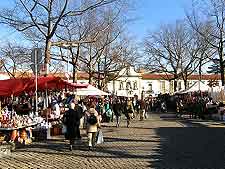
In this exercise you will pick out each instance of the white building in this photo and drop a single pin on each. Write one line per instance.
(128, 84)
(131, 83)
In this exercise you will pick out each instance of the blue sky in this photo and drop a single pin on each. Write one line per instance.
(152, 13)
(149, 13)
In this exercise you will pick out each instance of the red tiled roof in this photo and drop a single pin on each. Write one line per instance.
(205, 77)
(167, 77)
(80, 75)
(156, 76)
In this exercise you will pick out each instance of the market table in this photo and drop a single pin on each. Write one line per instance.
(18, 133)
(16, 128)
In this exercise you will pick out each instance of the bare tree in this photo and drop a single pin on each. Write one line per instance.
(117, 56)
(106, 34)
(42, 18)
(207, 19)
(75, 33)
(15, 58)
(87, 36)
(173, 50)
(198, 53)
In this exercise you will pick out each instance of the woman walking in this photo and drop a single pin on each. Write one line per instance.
(92, 123)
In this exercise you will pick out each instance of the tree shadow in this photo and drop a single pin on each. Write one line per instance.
(186, 148)
(48, 145)
(105, 151)
(117, 139)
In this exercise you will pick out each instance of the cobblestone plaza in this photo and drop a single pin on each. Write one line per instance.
(153, 143)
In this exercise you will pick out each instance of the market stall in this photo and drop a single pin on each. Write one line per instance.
(51, 83)
(13, 87)
(16, 119)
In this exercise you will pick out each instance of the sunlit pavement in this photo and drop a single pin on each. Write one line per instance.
(152, 143)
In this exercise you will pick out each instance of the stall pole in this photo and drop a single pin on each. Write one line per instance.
(36, 87)
(46, 101)
(68, 77)
(11, 114)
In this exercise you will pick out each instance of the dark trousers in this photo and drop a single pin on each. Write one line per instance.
(78, 131)
(75, 134)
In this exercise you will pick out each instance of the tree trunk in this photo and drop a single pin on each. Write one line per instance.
(99, 85)
(74, 74)
(185, 78)
(200, 70)
(221, 65)
(74, 60)
(90, 79)
(47, 55)
(175, 83)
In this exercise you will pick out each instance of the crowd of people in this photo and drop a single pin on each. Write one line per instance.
(198, 106)
(91, 112)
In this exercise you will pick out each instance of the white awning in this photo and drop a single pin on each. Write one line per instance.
(197, 86)
(90, 91)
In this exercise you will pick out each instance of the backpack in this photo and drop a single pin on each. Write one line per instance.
(92, 119)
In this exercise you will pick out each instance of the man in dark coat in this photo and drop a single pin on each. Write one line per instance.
(117, 109)
(79, 110)
(72, 122)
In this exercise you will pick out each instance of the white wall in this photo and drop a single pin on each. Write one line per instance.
(4, 76)
(124, 92)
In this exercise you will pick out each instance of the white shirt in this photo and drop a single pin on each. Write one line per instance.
(57, 110)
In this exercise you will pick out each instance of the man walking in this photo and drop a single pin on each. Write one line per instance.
(72, 122)
(117, 109)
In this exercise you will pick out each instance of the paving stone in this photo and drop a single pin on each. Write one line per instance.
(152, 143)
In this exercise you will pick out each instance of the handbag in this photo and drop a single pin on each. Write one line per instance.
(108, 113)
(99, 139)
(64, 129)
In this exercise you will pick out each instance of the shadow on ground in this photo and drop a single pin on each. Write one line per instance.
(55, 147)
(189, 148)
(117, 139)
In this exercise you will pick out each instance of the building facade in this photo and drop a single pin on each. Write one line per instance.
(130, 83)
(127, 84)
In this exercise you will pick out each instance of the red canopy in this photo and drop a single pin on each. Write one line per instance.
(17, 86)
(13, 86)
(52, 82)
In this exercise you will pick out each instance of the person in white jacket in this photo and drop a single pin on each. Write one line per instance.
(92, 123)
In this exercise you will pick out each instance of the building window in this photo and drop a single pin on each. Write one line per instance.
(128, 85)
(163, 86)
(179, 86)
(171, 87)
(150, 87)
(121, 85)
(135, 85)
(188, 84)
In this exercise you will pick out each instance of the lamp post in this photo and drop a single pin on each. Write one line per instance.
(36, 57)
